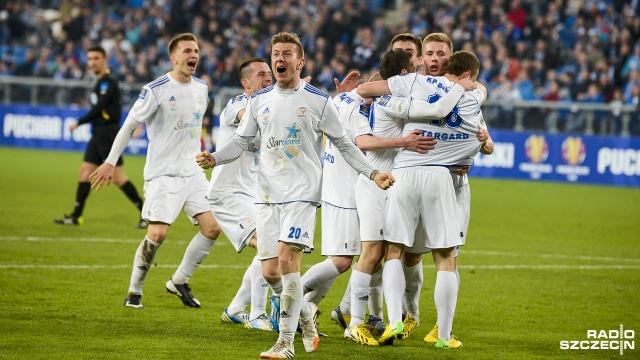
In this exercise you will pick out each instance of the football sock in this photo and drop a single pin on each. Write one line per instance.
(445, 295)
(259, 289)
(345, 304)
(142, 263)
(130, 190)
(197, 250)
(276, 288)
(318, 274)
(414, 278)
(393, 284)
(243, 296)
(82, 193)
(376, 297)
(360, 291)
(320, 292)
(458, 277)
(291, 302)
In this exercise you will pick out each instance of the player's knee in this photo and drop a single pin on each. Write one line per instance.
(156, 235)
(270, 273)
(212, 231)
(411, 260)
(341, 263)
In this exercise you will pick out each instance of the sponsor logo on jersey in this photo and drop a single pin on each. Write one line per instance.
(346, 98)
(236, 99)
(143, 94)
(536, 149)
(288, 145)
(364, 110)
(573, 153)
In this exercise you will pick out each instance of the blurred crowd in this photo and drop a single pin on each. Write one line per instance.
(571, 50)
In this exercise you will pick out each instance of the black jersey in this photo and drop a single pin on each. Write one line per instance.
(106, 107)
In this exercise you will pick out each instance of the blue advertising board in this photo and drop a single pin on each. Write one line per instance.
(562, 157)
(47, 127)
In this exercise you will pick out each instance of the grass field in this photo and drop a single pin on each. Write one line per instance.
(545, 262)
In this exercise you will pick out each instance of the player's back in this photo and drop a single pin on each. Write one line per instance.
(338, 177)
(173, 112)
(455, 133)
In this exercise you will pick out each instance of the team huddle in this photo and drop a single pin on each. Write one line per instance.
(391, 180)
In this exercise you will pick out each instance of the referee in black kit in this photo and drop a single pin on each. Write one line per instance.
(106, 108)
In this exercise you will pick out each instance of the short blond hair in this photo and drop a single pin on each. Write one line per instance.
(291, 38)
(438, 37)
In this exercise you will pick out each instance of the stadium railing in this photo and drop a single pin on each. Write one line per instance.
(547, 116)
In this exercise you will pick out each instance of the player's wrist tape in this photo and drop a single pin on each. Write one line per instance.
(373, 174)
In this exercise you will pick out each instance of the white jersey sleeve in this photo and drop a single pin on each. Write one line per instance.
(338, 177)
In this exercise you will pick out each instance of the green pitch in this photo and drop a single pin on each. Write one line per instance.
(544, 263)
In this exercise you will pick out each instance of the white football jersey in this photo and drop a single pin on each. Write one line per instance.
(291, 123)
(241, 175)
(456, 134)
(173, 112)
(385, 123)
(338, 177)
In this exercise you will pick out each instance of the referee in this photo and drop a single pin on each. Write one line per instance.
(104, 116)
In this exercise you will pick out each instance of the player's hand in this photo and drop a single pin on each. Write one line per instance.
(73, 127)
(384, 180)
(482, 134)
(459, 170)
(103, 173)
(467, 84)
(205, 160)
(307, 79)
(414, 141)
(350, 82)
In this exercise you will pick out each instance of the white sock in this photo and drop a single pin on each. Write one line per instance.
(345, 304)
(393, 284)
(197, 250)
(243, 296)
(360, 291)
(414, 278)
(319, 292)
(142, 261)
(318, 275)
(445, 295)
(458, 277)
(276, 288)
(259, 289)
(376, 297)
(291, 302)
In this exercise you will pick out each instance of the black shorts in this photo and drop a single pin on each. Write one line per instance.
(98, 150)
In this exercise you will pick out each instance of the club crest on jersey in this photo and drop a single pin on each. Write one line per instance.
(172, 104)
(200, 98)
(302, 113)
(143, 94)
(237, 98)
(104, 86)
(264, 117)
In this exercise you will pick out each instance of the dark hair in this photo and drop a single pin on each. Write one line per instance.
(409, 37)
(182, 37)
(98, 48)
(393, 62)
(243, 68)
(462, 61)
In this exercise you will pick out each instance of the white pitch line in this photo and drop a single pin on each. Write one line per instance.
(550, 256)
(220, 266)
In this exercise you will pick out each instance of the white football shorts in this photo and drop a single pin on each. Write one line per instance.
(371, 202)
(425, 192)
(293, 223)
(165, 196)
(340, 231)
(236, 215)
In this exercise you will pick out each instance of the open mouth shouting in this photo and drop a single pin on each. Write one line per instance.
(191, 65)
(281, 69)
